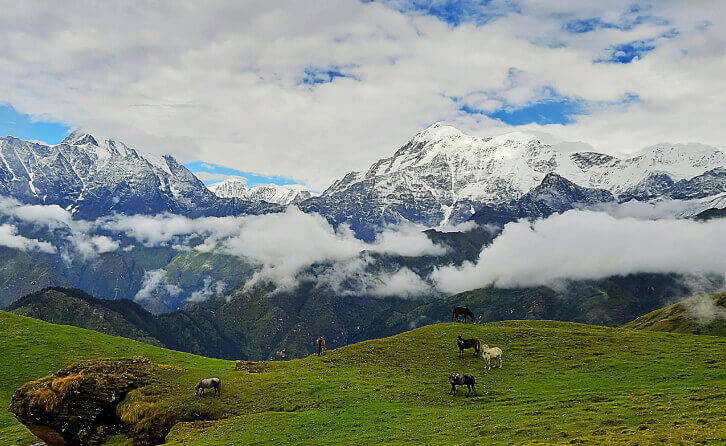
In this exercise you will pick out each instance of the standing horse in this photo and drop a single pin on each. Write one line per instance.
(458, 379)
(458, 311)
(209, 383)
(494, 353)
(467, 343)
(321, 345)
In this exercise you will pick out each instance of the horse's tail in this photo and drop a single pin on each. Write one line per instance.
(219, 388)
(453, 315)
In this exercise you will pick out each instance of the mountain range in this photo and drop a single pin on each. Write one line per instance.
(444, 176)
(441, 176)
(93, 179)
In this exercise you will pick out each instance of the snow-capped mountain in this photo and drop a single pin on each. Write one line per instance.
(444, 176)
(235, 187)
(93, 179)
(232, 187)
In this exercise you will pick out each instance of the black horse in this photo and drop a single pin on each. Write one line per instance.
(468, 343)
(458, 311)
(458, 379)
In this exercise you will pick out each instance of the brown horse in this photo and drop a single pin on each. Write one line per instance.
(321, 345)
(468, 343)
(458, 311)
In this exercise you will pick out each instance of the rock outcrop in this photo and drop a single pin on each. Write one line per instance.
(77, 405)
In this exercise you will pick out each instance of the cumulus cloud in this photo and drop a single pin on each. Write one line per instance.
(9, 237)
(589, 245)
(224, 81)
(76, 233)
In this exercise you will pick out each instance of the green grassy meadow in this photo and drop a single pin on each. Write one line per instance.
(561, 383)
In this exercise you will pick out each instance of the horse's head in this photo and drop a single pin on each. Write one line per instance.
(196, 389)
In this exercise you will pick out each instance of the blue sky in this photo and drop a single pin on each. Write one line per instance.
(211, 173)
(25, 127)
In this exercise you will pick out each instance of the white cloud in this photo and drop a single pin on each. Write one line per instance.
(589, 245)
(402, 283)
(9, 237)
(66, 229)
(209, 176)
(219, 81)
(155, 287)
(703, 308)
(209, 288)
(282, 243)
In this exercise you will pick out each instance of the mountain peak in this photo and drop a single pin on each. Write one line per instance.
(78, 137)
(438, 131)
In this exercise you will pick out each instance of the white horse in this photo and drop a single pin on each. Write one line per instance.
(488, 354)
(209, 383)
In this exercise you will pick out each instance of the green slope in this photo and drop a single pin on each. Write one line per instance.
(32, 349)
(68, 306)
(561, 382)
(695, 315)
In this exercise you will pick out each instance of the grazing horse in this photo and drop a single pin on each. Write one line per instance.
(209, 383)
(467, 343)
(458, 311)
(494, 353)
(321, 345)
(457, 379)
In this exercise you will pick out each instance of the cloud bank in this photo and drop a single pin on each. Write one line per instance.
(282, 243)
(580, 245)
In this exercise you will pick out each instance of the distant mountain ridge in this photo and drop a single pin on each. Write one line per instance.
(236, 187)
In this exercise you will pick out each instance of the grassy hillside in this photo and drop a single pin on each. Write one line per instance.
(696, 315)
(561, 382)
(68, 306)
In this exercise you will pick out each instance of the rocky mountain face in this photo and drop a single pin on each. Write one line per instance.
(235, 187)
(445, 176)
(93, 179)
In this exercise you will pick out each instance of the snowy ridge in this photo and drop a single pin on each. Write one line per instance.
(443, 176)
(232, 187)
(94, 179)
(235, 187)
(505, 167)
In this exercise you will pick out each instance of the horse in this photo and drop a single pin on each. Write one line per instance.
(208, 383)
(494, 353)
(321, 345)
(467, 343)
(458, 311)
(457, 379)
